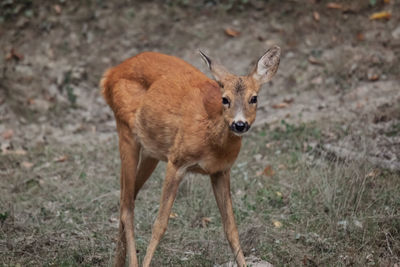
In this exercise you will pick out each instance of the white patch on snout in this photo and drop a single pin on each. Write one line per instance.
(239, 116)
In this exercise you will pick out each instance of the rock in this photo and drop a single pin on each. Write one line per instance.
(251, 261)
(396, 33)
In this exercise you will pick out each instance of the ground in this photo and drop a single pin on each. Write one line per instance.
(316, 182)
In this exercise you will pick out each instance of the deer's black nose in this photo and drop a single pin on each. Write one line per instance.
(240, 126)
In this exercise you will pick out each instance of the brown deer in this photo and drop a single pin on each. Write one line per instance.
(168, 110)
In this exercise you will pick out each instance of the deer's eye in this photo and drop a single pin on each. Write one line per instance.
(226, 102)
(253, 100)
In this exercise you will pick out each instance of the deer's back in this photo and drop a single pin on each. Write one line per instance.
(171, 104)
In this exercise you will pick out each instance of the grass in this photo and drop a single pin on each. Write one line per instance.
(65, 213)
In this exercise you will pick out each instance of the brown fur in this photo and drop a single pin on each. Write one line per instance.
(168, 110)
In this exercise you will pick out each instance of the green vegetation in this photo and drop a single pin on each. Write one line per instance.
(307, 210)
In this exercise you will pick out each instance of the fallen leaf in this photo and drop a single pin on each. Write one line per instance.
(268, 171)
(232, 32)
(314, 60)
(373, 174)
(288, 100)
(269, 145)
(173, 215)
(360, 37)
(316, 16)
(280, 105)
(205, 221)
(386, 1)
(7, 134)
(277, 224)
(31, 101)
(281, 166)
(372, 76)
(20, 152)
(113, 220)
(317, 80)
(380, 15)
(14, 55)
(9, 151)
(308, 262)
(61, 158)
(57, 8)
(334, 5)
(26, 164)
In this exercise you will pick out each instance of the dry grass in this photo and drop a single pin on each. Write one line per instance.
(332, 212)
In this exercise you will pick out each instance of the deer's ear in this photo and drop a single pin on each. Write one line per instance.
(267, 65)
(217, 70)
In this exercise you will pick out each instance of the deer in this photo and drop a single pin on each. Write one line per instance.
(168, 110)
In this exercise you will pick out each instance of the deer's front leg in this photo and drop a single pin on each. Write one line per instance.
(172, 180)
(221, 187)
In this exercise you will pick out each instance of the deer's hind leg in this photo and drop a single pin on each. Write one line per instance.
(124, 101)
(129, 152)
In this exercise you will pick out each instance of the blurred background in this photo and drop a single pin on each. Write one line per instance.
(316, 183)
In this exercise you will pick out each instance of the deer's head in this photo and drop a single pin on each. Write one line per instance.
(239, 93)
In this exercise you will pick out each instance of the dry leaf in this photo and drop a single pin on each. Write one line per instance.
(334, 5)
(280, 105)
(373, 174)
(113, 220)
(386, 1)
(205, 221)
(14, 55)
(314, 60)
(360, 37)
(26, 164)
(277, 224)
(173, 215)
(7, 134)
(268, 171)
(269, 145)
(61, 158)
(380, 15)
(232, 32)
(57, 8)
(372, 76)
(288, 100)
(317, 80)
(316, 16)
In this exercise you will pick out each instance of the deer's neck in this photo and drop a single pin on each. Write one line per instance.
(221, 136)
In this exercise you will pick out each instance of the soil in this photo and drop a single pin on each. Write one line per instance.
(338, 68)
(342, 68)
